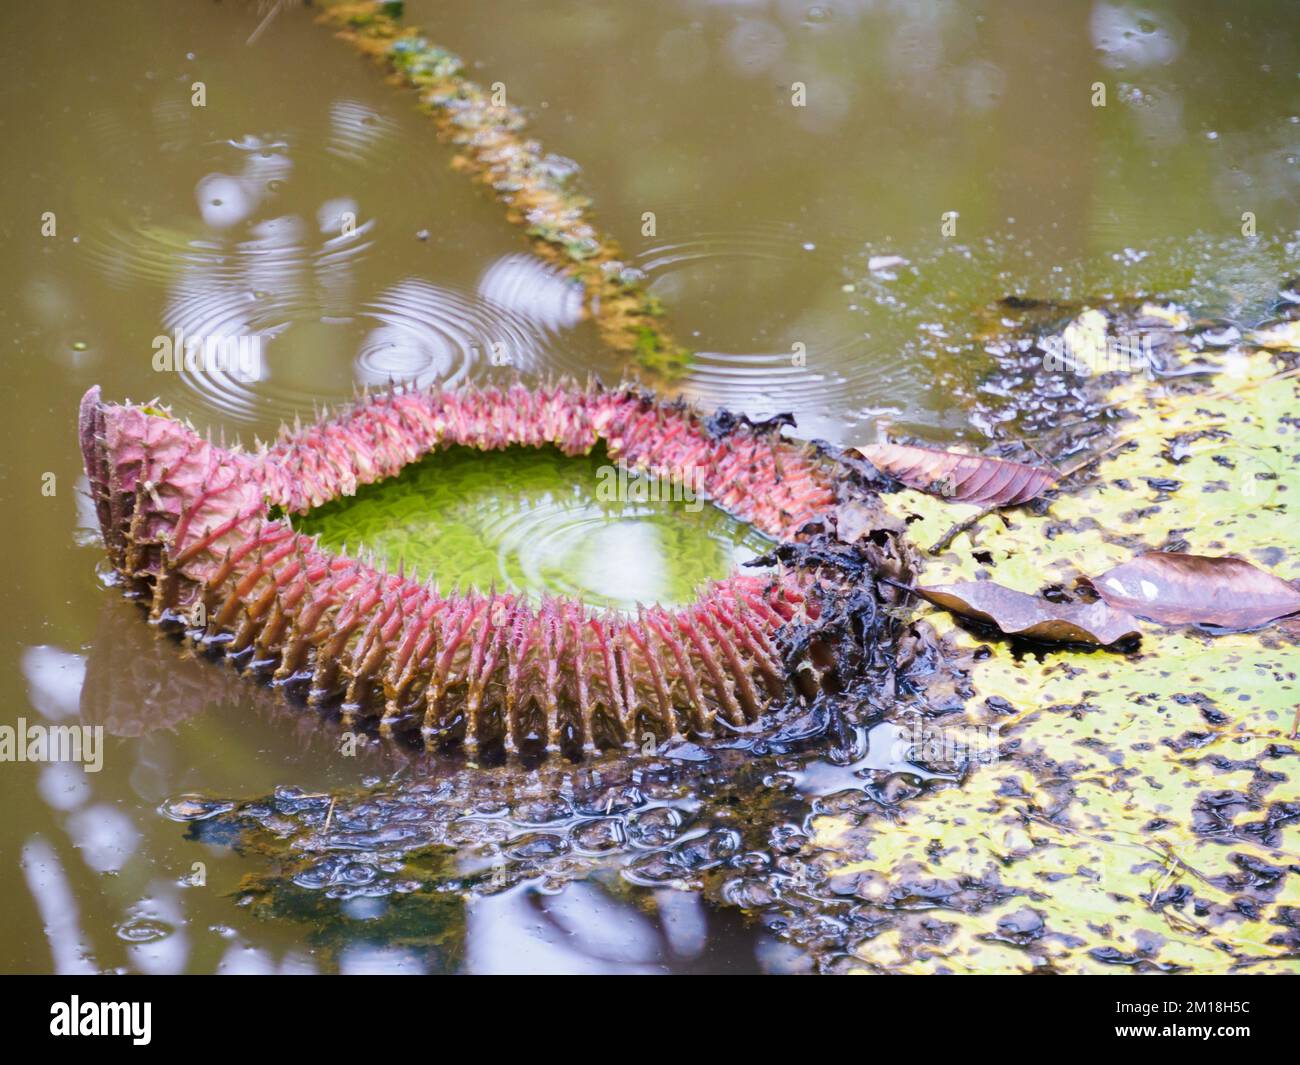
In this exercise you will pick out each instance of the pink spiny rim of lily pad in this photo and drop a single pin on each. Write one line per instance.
(190, 528)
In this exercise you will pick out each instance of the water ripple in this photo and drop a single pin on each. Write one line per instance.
(433, 333)
(357, 132)
(802, 348)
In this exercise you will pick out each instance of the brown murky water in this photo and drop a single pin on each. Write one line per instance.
(773, 226)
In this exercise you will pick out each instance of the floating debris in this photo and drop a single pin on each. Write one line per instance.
(1033, 617)
(961, 478)
(1181, 589)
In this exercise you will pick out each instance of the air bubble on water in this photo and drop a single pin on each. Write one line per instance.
(536, 845)
(599, 835)
(194, 808)
(749, 894)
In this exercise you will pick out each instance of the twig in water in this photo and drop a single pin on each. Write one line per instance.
(945, 541)
(275, 10)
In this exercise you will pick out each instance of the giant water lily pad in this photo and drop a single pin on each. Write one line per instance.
(1143, 813)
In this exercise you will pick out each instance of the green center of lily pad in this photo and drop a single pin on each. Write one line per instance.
(537, 521)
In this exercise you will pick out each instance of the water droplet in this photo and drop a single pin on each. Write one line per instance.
(142, 930)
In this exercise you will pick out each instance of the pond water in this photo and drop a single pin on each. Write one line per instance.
(572, 526)
(944, 155)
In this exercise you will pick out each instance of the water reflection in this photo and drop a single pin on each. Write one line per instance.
(927, 108)
(60, 915)
(581, 930)
(54, 679)
(64, 786)
(1130, 37)
(106, 837)
(430, 334)
(538, 522)
(278, 239)
(242, 959)
(534, 291)
(799, 344)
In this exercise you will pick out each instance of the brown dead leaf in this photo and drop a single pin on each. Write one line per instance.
(1031, 616)
(1197, 590)
(964, 478)
(856, 518)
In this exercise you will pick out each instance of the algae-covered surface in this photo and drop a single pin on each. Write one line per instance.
(892, 261)
(1143, 808)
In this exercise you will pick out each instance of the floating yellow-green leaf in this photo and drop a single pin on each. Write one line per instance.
(1144, 811)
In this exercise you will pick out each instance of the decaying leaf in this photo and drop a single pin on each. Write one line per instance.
(1031, 616)
(964, 478)
(855, 518)
(1180, 589)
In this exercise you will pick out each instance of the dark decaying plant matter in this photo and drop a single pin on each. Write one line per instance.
(192, 529)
